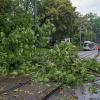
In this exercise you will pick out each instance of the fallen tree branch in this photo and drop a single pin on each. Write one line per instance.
(93, 70)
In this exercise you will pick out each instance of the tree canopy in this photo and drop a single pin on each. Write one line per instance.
(62, 15)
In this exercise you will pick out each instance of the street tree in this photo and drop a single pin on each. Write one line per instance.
(62, 14)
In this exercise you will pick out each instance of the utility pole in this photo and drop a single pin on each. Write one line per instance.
(80, 37)
(35, 11)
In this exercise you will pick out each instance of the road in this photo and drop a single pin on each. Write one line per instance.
(87, 54)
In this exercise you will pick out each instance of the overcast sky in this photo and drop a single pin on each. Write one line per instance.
(86, 6)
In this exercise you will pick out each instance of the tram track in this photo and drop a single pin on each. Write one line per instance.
(44, 95)
(16, 86)
(51, 93)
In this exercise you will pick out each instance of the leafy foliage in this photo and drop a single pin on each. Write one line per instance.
(90, 27)
(44, 34)
(62, 15)
(59, 65)
(17, 47)
(18, 38)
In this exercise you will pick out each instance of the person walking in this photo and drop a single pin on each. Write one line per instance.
(98, 48)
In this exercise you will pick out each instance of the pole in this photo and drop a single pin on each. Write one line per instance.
(35, 12)
(80, 36)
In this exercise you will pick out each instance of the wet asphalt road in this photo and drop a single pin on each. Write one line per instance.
(87, 54)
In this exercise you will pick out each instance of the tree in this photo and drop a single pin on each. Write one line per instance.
(87, 26)
(17, 38)
(92, 26)
(62, 15)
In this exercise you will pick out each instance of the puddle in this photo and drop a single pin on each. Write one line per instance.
(80, 93)
(83, 93)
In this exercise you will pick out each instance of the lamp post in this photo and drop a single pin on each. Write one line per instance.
(80, 37)
(81, 30)
(35, 10)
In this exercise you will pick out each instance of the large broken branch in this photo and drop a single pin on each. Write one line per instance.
(94, 72)
(45, 18)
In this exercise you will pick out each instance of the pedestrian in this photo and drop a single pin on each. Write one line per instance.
(98, 48)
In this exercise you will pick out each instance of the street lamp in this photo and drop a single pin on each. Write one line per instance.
(35, 10)
(81, 34)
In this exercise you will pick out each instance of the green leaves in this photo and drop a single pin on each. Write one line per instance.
(16, 35)
(58, 65)
(17, 48)
(92, 90)
(18, 38)
(63, 16)
(44, 33)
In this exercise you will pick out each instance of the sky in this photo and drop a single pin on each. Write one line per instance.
(86, 6)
